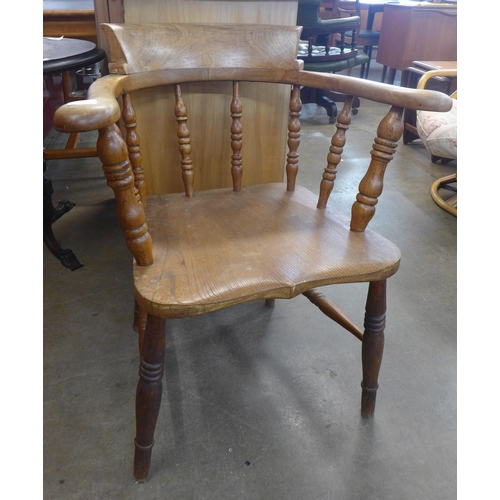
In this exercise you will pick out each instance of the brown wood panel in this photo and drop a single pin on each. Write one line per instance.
(80, 24)
(264, 107)
(412, 33)
(208, 107)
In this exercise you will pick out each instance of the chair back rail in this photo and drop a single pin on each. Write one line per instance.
(147, 64)
(140, 48)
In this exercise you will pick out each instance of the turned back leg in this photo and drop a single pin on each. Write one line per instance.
(149, 390)
(373, 345)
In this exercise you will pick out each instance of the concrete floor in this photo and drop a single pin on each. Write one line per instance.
(258, 403)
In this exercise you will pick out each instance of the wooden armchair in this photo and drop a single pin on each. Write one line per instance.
(200, 252)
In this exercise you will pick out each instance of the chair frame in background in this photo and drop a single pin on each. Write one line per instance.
(340, 53)
(448, 182)
(366, 38)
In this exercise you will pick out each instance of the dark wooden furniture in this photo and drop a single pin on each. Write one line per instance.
(60, 56)
(373, 7)
(368, 12)
(366, 38)
(70, 23)
(416, 31)
(327, 51)
(200, 251)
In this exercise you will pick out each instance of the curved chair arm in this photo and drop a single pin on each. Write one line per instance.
(99, 110)
(429, 100)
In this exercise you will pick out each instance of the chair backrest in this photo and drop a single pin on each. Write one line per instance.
(172, 54)
(156, 47)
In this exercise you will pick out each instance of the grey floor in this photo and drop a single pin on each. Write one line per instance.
(258, 403)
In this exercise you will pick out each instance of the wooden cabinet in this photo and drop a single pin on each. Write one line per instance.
(417, 31)
(264, 108)
(70, 19)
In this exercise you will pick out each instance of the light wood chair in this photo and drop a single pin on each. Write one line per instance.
(200, 252)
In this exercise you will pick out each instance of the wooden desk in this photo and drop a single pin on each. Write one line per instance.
(417, 31)
(267, 110)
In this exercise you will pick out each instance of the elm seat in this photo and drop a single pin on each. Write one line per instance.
(196, 252)
(254, 258)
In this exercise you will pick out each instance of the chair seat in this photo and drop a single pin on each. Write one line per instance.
(262, 242)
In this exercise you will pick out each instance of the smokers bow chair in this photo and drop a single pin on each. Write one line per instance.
(199, 252)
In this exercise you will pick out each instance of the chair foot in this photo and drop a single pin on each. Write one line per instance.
(142, 461)
(373, 345)
(149, 391)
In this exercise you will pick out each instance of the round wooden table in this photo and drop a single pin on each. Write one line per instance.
(65, 54)
(61, 55)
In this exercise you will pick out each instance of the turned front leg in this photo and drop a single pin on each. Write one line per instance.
(148, 397)
(373, 345)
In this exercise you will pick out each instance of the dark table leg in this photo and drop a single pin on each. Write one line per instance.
(50, 215)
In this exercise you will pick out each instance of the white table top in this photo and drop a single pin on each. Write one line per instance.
(68, 4)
